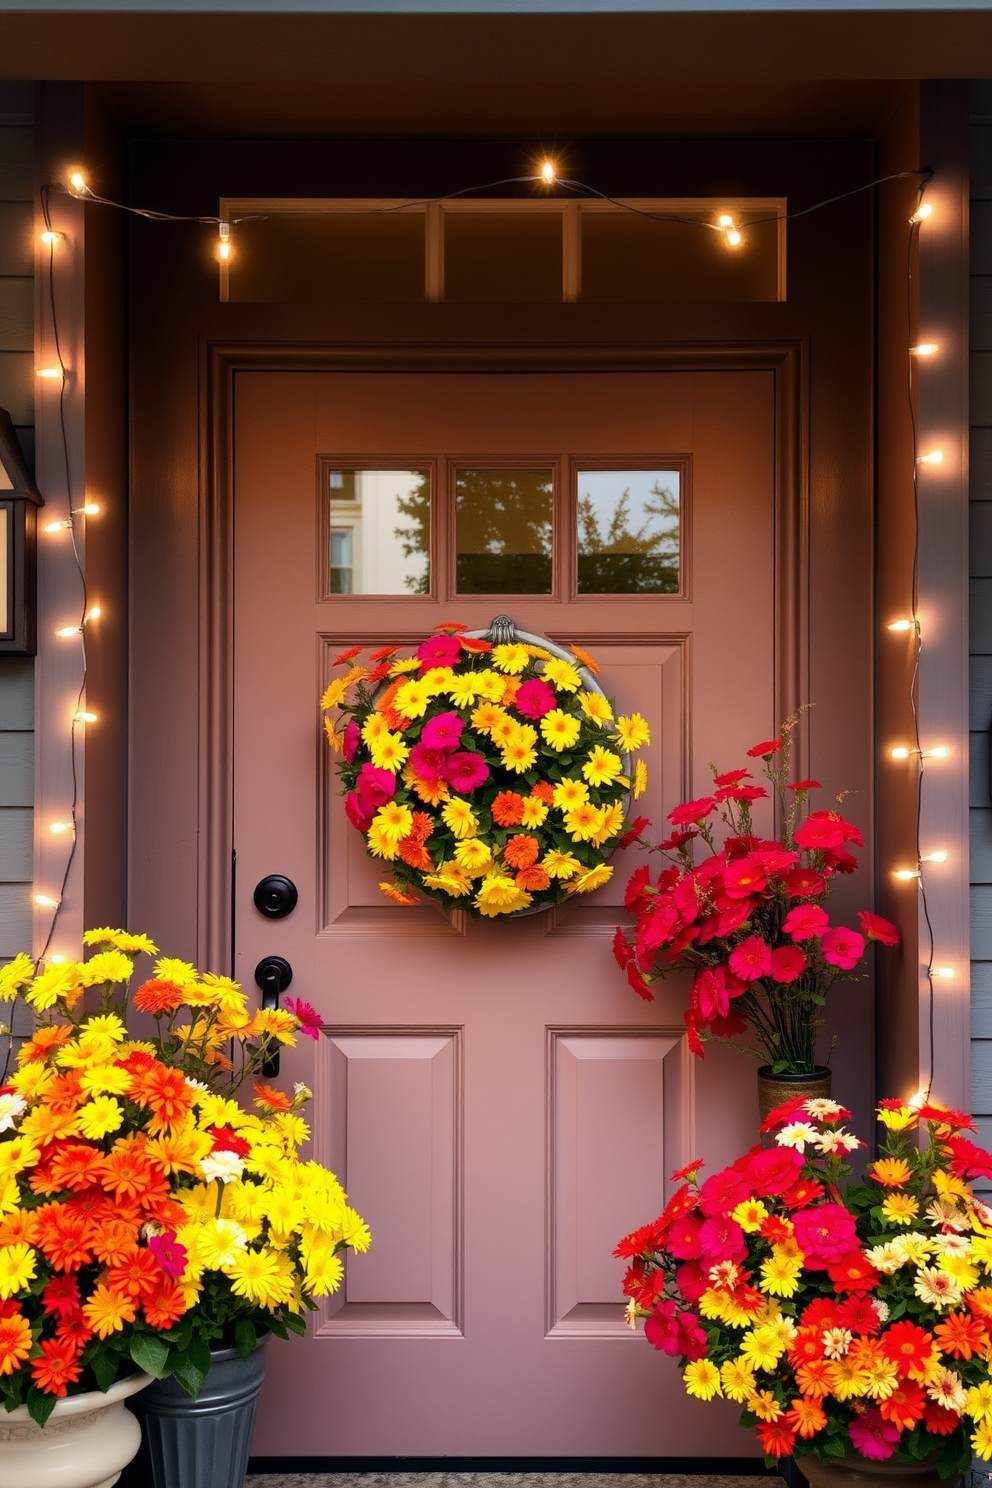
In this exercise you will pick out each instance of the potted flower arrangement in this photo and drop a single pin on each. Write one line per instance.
(749, 920)
(151, 1227)
(852, 1320)
(490, 776)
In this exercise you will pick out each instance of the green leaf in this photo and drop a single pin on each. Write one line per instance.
(189, 1377)
(179, 1336)
(295, 1323)
(278, 1328)
(150, 1353)
(199, 1355)
(245, 1337)
(834, 1446)
(40, 1404)
(104, 1366)
(955, 1456)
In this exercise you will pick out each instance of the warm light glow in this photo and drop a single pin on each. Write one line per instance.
(548, 173)
(900, 752)
(89, 510)
(925, 348)
(224, 235)
(59, 827)
(78, 181)
(94, 613)
(934, 857)
(943, 971)
(51, 238)
(900, 625)
(939, 753)
(733, 238)
(69, 630)
(56, 960)
(726, 220)
(922, 212)
(905, 874)
(918, 1100)
(84, 717)
(57, 527)
(50, 372)
(46, 901)
(935, 457)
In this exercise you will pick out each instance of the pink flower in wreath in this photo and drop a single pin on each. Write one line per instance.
(843, 947)
(466, 771)
(350, 742)
(442, 732)
(353, 811)
(661, 1329)
(534, 699)
(873, 1436)
(751, 959)
(722, 1240)
(375, 788)
(439, 650)
(825, 1234)
(429, 764)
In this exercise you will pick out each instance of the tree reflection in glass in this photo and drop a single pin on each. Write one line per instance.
(503, 526)
(628, 532)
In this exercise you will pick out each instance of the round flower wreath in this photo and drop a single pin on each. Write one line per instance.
(491, 777)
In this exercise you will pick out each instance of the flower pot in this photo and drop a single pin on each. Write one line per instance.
(85, 1442)
(774, 1089)
(202, 1443)
(862, 1472)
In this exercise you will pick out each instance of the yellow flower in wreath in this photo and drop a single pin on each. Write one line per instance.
(602, 767)
(559, 729)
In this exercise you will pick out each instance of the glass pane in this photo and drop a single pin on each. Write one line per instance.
(503, 531)
(380, 526)
(502, 258)
(348, 258)
(628, 259)
(628, 531)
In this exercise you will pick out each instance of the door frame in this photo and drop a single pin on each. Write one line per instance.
(788, 360)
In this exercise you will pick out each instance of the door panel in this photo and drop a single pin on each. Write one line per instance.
(498, 1103)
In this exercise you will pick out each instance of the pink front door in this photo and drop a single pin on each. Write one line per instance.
(499, 1105)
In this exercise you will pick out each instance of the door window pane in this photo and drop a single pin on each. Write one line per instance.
(380, 524)
(628, 531)
(503, 531)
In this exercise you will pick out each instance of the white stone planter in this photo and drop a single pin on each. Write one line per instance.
(86, 1442)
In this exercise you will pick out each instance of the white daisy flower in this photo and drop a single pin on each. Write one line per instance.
(797, 1134)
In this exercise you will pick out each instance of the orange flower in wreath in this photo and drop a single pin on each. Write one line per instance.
(521, 851)
(15, 1342)
(891, 1172)
(508, 809)
(165, 1091)
(108, 1310)
(57, 1367)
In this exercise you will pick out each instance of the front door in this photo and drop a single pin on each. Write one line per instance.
(498, 1103)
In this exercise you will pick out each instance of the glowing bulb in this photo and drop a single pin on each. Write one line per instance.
(89, 510)
(548, 173)
(224, 240)
(918, 1100)
(939, 753)
(51, 238)
(726, 220)
(943, 971)
(84, 717)
(900, 625)
(69, 630)
(901, 752)
(59, 827)
(925, 348)
(51, 373)
(57, 526)
(922, 212)
(46, 901)
(733, 238)
(56, 960)
(906, 874)
(935, 457)
(934, 857)
(93, 614)
(78, 181)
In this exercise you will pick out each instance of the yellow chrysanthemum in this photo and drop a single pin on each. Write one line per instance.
(335, 694)
(584, 821)
(900, 1208)
(379, 845)
(395, 822)
(104, 1079)
(168, 969)
(500, 895)
(463, 688)
(324, 1275)
(14, 976)
(632, 731)
(491, 686)
(595, 706)
(765, 1406)
(702, 1379)
(559, 729)
(899, 1120)
(373, 728)
(533, 812)
(100, 1116)
(560, 865)
(979, 1402)
(512, 658)
(761, 1349)
(592, 878)
(334, 738)
(640, 779)
(257, 1276)
(570, 793)
(738, 1380)
(847, 1379)
(961, 1269)
(17, 1268)
(488, 716)
(982, 1441)
(613, 820)
(950, 1187)
(412, 698)
(750, 1214)
(411, 664)
(459, 818)
(448, 881)
(53, 983)
(518, 754)
(562, 674)
(602, 767)
(474, 856)
(780, 1274)
(389, 752)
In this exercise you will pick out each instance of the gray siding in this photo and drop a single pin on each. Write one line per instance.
(17, 396)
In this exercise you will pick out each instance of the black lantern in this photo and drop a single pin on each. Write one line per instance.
(19, 503)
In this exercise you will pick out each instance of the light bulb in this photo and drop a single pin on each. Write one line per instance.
(906, 874)
(224, 240)
(59, 827)
(51, 238)
(918, 1100)
(726, 220)
(922, 212)
(935, 457)
(56, 960)
(89, 510)
(925, 348)
(78, 181)
(93, 614)
(733, 238)
(943, 971)
(548, 173)
(84, 717)
(900, 752)
(939, 753)
(46, 901)
(50, 373)
(934, 857)
(57, 526)
(69, 630)
(900, 625)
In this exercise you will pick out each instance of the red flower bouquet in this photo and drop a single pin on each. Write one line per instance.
(847, 1319)
(749, 920)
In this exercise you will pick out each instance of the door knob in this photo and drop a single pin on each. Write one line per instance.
(275, 896)
(273, 975)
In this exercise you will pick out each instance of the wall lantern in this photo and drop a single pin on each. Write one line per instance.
(19, 503)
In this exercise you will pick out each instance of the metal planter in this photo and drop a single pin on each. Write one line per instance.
(202, 1443)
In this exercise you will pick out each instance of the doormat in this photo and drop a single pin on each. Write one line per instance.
(707, 1479)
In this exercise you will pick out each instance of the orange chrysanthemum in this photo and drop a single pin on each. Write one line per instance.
(511, 686)
(165, 1212)
(544, 791)
(47, 1125)
(344, 656)
(18, 1228)
(128, 1170)
(164, 1306)
(533, 879)
(63, 1237)
(385, 703)
(585, 659)
(815, 1377)
(905, 1406)
(108, 1310)
(806, 1417)
(44, 1041)
(77, 1165)
(113, 1242)
(269, 1098)
(57, 1366)
(473, 643)
(521, 851)
(74, 1329)
(416, 855)
(138, 1276)
(891, 1172)
(961, 1336)
(421, 826)
(508, 809)
(910, 1348)
(65, 1093)
(15, 1342)
(398, 896)
(383, 653)
(165, 1091)
(157, 997)
(806, 1346)
(777, 1438)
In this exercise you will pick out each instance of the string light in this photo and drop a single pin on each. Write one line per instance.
(69, 630)
(901, 752)
(919, 1100)
(92, 614)
(935, 457)
(548, 173)
(59, 827)
(901, 625)
(50, 373)
(941, 752)
(934, 857)
(922, 213)
(77, 183)
(84, 717)
(56, 960)
(945, 972)
(925, 348)
(904, 875)
(89, 510)
(733, 238)
(46, 901)
(50, 239)
(224, 240)
(57, 526)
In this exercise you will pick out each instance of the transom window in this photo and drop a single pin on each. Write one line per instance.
(557, 527)
(504, 252)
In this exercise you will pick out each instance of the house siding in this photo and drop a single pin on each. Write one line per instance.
(17, 396)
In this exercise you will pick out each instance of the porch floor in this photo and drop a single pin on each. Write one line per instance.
(494, 1480)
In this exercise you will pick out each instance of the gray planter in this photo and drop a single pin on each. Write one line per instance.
(202, 1443)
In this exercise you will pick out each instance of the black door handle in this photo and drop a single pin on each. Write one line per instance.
(273, 974)
(275, 896)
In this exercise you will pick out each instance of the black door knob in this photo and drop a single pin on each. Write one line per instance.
(273, 974)
(275, 896)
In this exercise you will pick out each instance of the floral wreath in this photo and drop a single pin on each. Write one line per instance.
(487, 769)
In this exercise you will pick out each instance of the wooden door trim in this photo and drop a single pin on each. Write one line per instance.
(220, 361)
